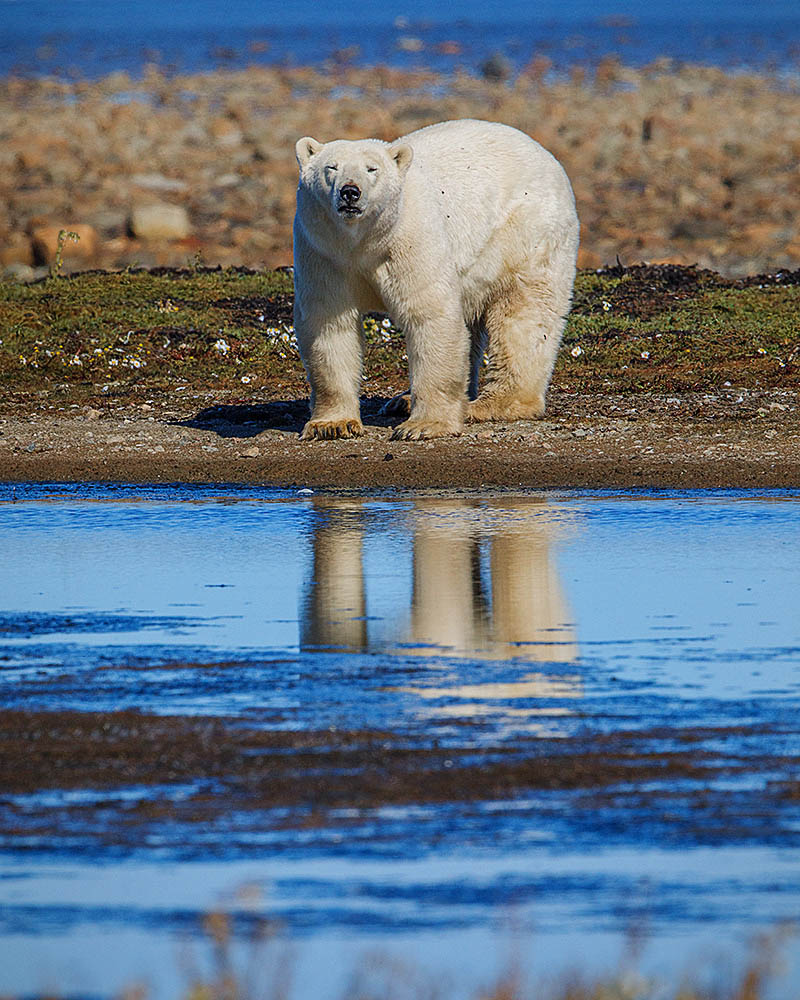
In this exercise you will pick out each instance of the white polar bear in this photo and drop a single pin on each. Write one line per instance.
(463, 232)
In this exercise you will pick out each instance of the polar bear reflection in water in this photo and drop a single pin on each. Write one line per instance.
(484, 585)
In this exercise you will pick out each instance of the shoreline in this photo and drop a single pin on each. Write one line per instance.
(578, 445)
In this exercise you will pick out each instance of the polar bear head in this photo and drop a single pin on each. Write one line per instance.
(355, 182)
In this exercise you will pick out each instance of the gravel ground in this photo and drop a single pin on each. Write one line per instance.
(737, 440)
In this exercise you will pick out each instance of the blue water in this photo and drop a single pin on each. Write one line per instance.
(468, 621)
(89, 38)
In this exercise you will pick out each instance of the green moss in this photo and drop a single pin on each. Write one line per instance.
(135, 334)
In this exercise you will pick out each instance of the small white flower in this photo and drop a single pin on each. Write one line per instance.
(386, 323)
(245, 379)
(576, 351)
(221, 346)
(761, 350)
(261, 317)
(645, 355)
(606, 306)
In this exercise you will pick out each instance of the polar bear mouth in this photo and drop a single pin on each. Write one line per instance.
(351, 211)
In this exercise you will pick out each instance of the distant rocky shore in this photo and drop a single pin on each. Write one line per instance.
(683, 164)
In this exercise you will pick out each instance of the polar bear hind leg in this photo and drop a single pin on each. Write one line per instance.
(524, 321)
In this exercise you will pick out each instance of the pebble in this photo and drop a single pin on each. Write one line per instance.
(17, 271)
(158, 182)
(44, 243)
(160, 222)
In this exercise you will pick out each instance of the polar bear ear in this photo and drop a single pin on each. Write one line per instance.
(402, 156)
(305, 149)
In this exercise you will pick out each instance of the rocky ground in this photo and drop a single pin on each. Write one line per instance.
(667, 377)
(684, 164)
(651, 441)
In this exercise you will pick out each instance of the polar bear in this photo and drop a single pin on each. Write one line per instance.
(466, 234)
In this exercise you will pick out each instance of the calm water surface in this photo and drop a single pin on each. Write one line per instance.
(89, 38)
(482, 624)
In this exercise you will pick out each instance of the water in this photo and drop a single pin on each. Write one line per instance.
(472, 730)
(89, 38)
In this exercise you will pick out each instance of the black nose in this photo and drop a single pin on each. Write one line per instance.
(350, 193)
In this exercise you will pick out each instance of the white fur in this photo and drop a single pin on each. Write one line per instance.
(468, 229)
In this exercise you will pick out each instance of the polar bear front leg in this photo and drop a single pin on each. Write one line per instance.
(331, 346)
(437, 342)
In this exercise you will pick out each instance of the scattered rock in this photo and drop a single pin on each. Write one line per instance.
(19, 272)
(496, 68)
(717, 186)
(16, 249)
(160, 222)
(158, 182)
(409, 43)
(252, 452)
(225, 132)
(44, 243)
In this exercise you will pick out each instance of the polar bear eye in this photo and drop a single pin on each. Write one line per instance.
(372, 170)
(331, 168)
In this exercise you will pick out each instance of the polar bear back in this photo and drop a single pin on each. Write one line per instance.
(502, 199)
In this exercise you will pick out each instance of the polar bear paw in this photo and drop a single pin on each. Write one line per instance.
(397, 406)
(504, 408)
(327, 430)
(417, 430)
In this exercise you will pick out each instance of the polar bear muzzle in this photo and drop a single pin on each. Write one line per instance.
(349, 196)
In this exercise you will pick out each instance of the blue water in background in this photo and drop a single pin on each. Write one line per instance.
(90, 38)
